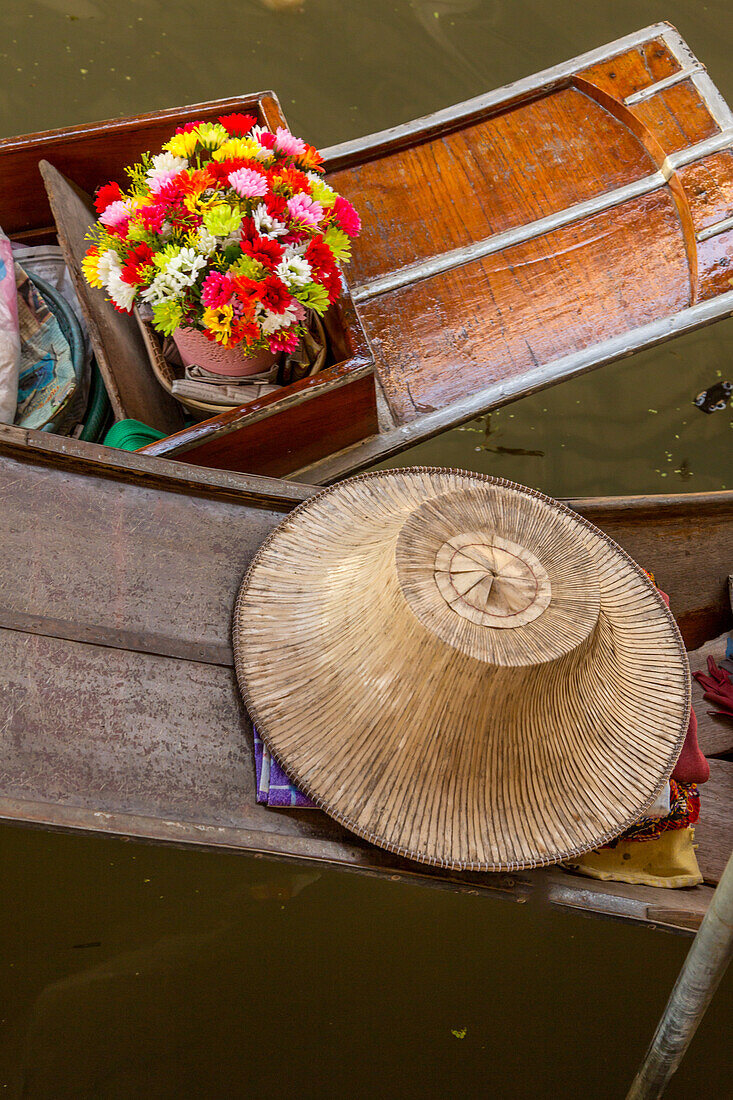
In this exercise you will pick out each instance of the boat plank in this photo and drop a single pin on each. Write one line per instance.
(714, 830)
(499, 173)
(677, 116)
(168, 757)
(638, 68)
(452, 335)
(127, 565)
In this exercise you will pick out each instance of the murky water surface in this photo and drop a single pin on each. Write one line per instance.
(128, 971)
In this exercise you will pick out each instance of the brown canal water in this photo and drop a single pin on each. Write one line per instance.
(131, 971)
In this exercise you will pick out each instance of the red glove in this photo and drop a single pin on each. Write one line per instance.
(718, 689)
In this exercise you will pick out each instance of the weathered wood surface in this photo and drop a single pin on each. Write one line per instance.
(120, 710)
(525, 236)
(714, 830)
(133, 389)
(714, 735)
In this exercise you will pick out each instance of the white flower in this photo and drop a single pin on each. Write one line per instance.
(206, 242)
(271, 322)
(165, 167)
(121, 293)
(265, 224)
(108, 265)
(179, 273)
(294, 271)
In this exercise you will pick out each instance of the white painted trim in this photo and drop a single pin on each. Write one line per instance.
(715, 230)
(510, 91)
(653, 89)
(457, 257)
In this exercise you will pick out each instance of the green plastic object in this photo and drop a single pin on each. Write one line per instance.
(130, 435)
(98, 409)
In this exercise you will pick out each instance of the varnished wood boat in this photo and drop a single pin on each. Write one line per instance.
(120, 712)
(509, 242)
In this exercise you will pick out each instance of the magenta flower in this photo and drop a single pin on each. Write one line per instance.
(248, 182)
(304, 210)
(346, 217)
(283, 341)
(287, 144)
(115, 215)
(217, 289)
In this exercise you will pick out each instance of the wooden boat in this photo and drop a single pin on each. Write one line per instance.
(508, 243)
(119, 571)
(120, 710)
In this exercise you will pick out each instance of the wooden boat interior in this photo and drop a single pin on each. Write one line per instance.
(122, 714)
(508, 242)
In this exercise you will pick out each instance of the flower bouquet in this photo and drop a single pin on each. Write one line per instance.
(228, 237)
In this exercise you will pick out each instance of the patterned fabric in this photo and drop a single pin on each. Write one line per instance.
(273, 786)
(684, 801)
(47, 378)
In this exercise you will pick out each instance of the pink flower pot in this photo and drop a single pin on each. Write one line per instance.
(197, 350)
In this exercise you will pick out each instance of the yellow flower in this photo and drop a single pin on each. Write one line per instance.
(182, 145)
(211, 134)
(240, 149)
(219, 322)
(90, 267)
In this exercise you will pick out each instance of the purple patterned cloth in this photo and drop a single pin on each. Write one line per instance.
(273, 786)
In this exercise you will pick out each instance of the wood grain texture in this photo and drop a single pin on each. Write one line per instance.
(714, 734)
(126, 564)
(94, 153)
(714, 830)
(331, 417)
(447, 337)
(133, 389)
(634, 69)
(677, 116)
(504, 171)
(174, 764)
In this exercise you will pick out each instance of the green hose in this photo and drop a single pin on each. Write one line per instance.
(97, 414)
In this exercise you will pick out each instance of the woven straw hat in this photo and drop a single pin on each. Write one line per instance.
(460, 669)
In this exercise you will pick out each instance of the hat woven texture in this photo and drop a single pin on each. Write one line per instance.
(460, 669)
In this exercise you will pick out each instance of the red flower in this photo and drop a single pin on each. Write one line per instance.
(246, 331)
(346, 217)
(267, 139)
(265, 251)
(110, 192)
(248, 231)
(187, 127)
(274, 295)
(319, 256)
(276, 207)
(287, 180)
(311, 158)
(137, 259)
(248, 292)
(237, 124)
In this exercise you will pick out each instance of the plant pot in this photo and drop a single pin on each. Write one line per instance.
(196, 349)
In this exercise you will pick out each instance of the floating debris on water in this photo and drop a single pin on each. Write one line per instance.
(714, 399)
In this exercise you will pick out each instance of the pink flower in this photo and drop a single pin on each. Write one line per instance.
(266, 139)
(304, 210)
(283, 341)
(287, 144)
(116, 215)
(248, 182)
(346, 217)
(217, 289)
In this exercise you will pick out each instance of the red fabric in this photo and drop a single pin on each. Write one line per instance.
(691, 766)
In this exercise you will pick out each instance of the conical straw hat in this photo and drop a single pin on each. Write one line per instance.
(460, 669)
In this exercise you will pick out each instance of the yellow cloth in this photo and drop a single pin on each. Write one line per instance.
(669, 860)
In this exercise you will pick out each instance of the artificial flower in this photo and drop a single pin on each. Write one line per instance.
(229, 229)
